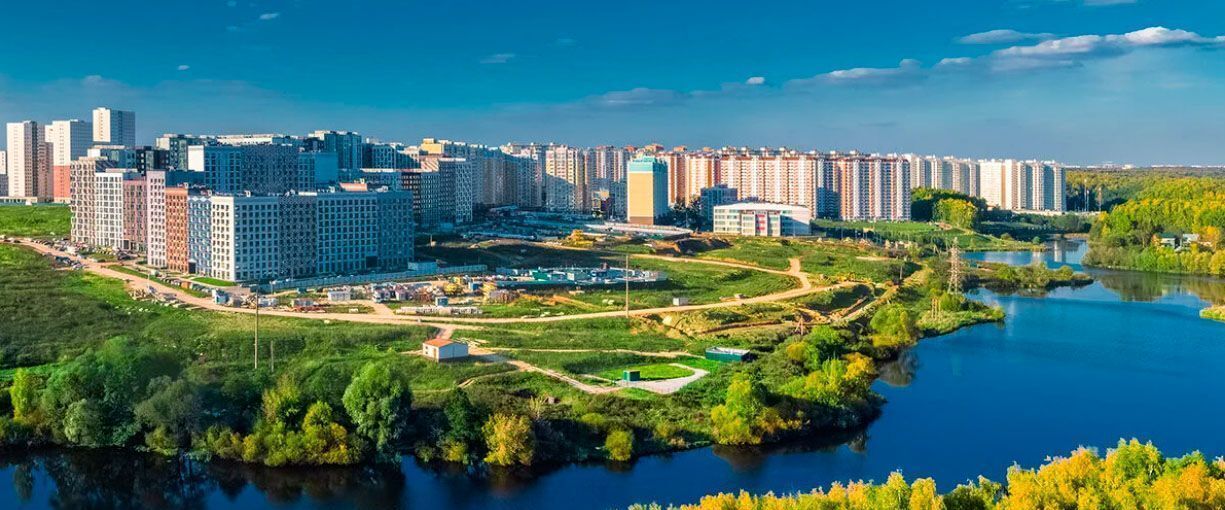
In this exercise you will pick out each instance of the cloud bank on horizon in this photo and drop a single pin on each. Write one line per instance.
(1039, 88)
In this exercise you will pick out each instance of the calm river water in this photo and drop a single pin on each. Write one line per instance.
(1124, 357)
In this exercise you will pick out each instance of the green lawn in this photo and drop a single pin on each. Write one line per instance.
(610, 333)
(35, 220)
(213, 281)
(650, 372)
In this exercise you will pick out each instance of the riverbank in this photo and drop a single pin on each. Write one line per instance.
(960, 405)
(1216, 313)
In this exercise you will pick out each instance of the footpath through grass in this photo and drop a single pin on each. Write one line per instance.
(35, 220)
(52, 314)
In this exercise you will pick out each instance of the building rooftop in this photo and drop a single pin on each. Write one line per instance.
(761, 206)
(438, 342)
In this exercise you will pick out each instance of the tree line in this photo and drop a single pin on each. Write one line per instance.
(1132, 475)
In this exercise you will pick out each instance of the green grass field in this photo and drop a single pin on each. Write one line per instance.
(611, 333)
(919, 232)
(35, 221)
(52, 314)
(649, 372)
(818, 258)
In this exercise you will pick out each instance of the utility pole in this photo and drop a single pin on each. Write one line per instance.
(626, 277)
(257, 329)
(956, 272)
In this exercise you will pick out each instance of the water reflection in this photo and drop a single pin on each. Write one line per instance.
(900, 373)
(122, 479)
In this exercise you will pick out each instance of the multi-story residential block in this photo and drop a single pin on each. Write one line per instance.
(24, 139)
(68, 140)
(317, 169)
(244, 237)
(257, 139)
(647, 190)
(386, 155)
(4, 174)
(460, 179)
(715, 196)
(347, 146)
(762, 219)
(565, 179)
(259, 169)
(178, 252)
(531, 181)
(135, 203)
(114, 127)
(175, 147)
(84, 196)
(867, 187)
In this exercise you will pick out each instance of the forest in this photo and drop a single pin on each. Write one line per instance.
(1188, 212)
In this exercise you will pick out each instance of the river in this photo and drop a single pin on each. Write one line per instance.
(1124, 357)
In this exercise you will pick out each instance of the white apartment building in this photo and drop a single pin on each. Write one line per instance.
(565, 179)
(114, 127)
(155, 217)
(24, 139)
(69, 139)
(1022, 185)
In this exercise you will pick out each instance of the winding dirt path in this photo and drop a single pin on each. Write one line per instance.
(380, 316)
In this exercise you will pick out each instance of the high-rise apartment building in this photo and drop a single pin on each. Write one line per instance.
(114, 127)
(647, 190)
(259, 169)
(715, 196)
(4, 174)
(68, 140)
(565, 180)
(24, 139)
(347, 146)
(176, 148)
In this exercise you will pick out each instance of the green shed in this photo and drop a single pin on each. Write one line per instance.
(631, 375)
(727, 354)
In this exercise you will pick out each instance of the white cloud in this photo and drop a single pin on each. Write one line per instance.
(906, 71)
(564, 42)
(1004, 36)
(1072, 51)
(755, 80)
(498, 58)
(637, 97)
(183, 67)
(955, 62)
(269, 16)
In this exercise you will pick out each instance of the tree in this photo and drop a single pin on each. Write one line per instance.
(173, 411)
(620, 445)
(893, 327)
(24, 394)
(743, 418)
(379, 401)
(510, 440)
(463, 436)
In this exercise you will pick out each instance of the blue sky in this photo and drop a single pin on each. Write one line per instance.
(1083, 81)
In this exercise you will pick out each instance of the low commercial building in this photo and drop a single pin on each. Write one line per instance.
(762, 220)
